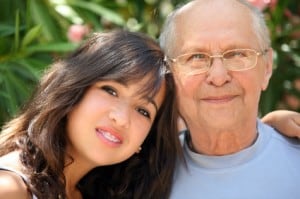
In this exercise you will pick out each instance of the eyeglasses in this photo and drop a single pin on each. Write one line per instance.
(233, 60)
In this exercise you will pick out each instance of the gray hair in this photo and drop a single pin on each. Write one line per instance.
(168, 33)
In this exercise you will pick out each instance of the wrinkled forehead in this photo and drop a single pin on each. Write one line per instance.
(211, 12)
(214, 22)
(212, 6)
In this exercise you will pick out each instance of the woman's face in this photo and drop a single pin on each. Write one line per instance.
(111, 122)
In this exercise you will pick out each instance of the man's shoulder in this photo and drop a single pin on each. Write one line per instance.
(280, 137)
(289, 141)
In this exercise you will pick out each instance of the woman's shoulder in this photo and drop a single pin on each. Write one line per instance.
(12, 185)
(11, 178)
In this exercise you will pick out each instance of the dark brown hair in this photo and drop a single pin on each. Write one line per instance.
(39, 131)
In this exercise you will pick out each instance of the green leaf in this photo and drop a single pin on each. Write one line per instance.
(10, 87)
(52, 47)
(35, 67)
(6, 30)
(31, 35)
(23, 72)
(42, 13)
(17, 30)
(100, 10)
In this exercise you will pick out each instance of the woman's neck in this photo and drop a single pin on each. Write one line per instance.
(73, 172)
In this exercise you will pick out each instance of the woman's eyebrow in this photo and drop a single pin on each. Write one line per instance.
(149, 99)
(153, 103)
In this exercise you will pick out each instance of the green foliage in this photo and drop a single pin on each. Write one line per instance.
(284, 89)
(29, 38)
(34, 32)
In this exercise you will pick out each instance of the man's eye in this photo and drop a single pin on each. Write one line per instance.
(235, 54)
(199, 56)
(110, 90)
(144, 112)
(196, 57)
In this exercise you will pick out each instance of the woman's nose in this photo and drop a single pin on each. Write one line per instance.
(120, 115)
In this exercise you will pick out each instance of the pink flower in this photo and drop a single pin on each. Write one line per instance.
(262, 4)
(292, 101)
(77, 32)
(288, 13)
(297, 84)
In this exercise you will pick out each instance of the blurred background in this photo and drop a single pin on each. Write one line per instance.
(33, 33)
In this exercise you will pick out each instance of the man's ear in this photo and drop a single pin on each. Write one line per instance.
(268, 69)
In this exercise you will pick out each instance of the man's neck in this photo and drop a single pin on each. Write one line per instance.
(222, 142)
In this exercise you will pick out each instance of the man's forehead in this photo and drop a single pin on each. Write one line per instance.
(204, 8)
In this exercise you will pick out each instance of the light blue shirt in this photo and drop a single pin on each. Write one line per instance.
(269, 169)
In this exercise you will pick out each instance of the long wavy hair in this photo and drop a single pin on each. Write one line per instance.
(39, 131)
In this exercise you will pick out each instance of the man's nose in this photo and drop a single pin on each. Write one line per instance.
(217, 74)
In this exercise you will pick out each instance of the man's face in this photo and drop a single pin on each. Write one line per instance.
(218, 99)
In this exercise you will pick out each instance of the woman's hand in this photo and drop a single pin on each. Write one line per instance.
(287, 122)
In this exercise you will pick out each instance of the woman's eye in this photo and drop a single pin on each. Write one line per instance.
(110, 90)
(144, 112)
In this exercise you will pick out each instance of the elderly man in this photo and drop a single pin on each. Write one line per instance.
(219, 52)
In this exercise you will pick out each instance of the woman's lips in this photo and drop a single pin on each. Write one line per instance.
(109, 136)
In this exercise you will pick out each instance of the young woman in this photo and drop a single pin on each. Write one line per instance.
(95, 109)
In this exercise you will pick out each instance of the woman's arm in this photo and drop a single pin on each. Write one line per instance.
(287, 122)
